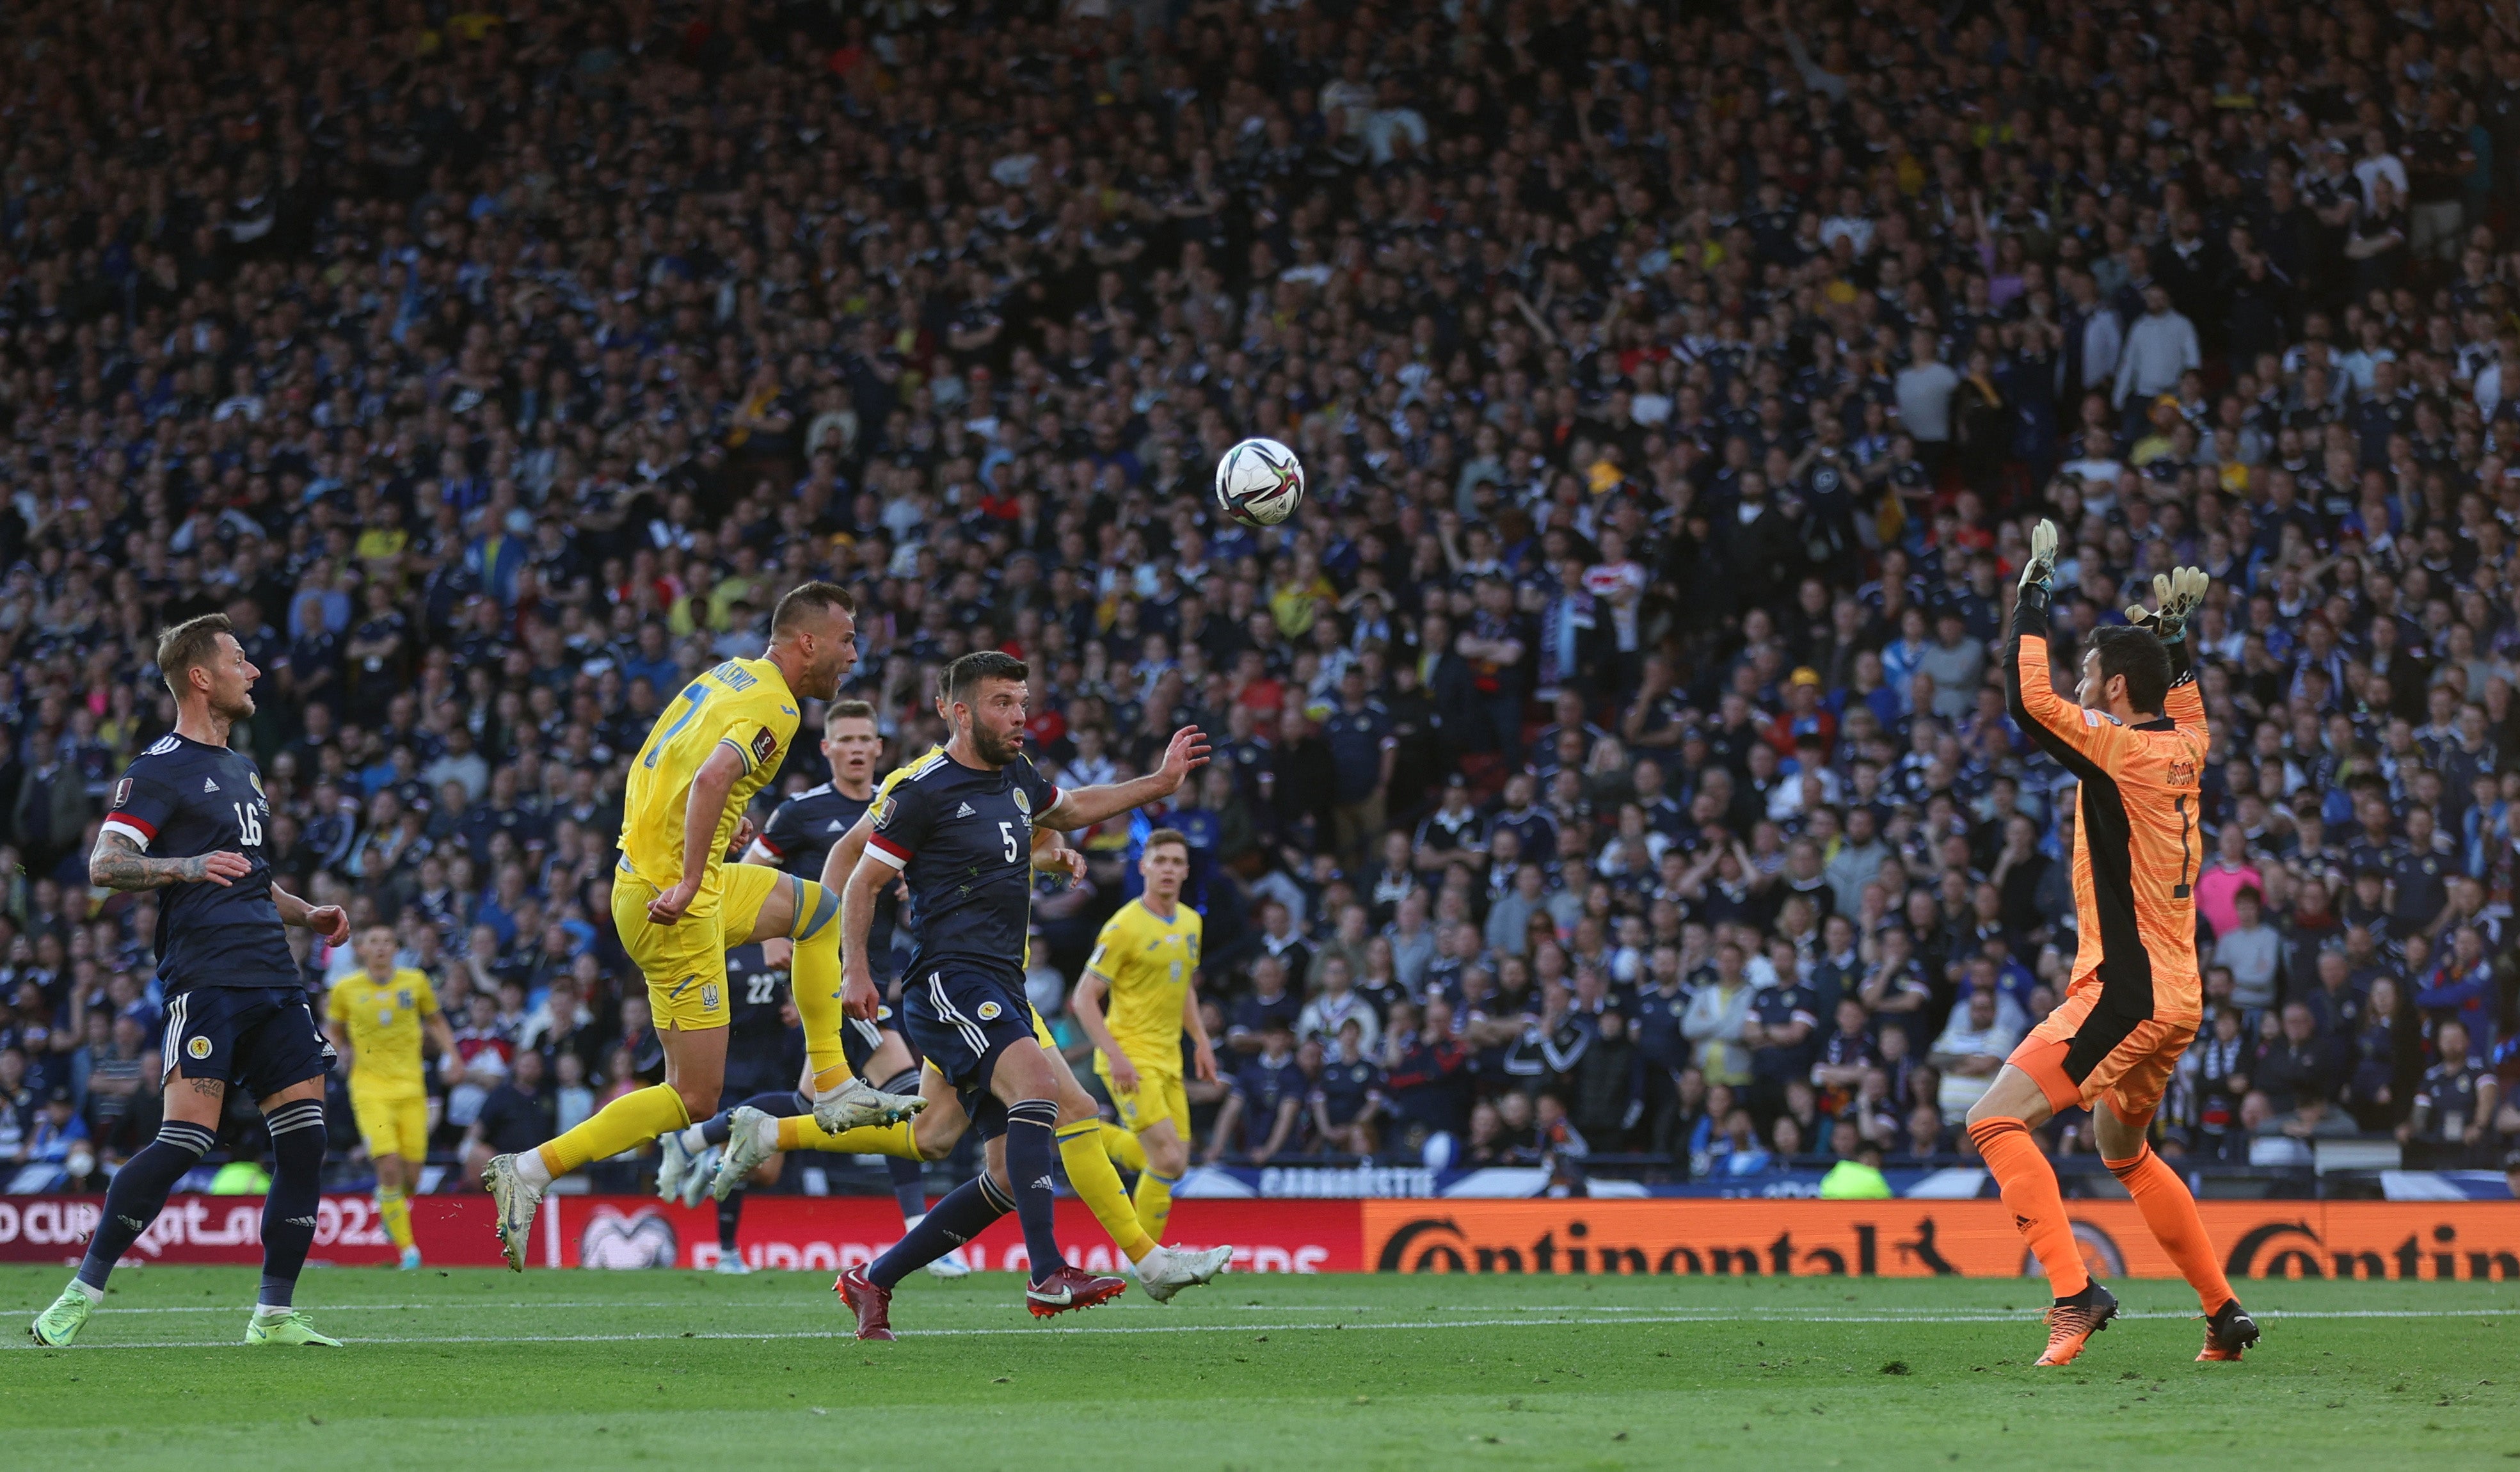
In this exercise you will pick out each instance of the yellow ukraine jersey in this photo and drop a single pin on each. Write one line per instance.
(742, 704)
(384, 1021)
(1149, 961)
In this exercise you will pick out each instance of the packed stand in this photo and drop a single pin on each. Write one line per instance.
(1613, 760)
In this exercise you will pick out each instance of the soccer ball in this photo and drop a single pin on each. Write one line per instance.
(1259, 482)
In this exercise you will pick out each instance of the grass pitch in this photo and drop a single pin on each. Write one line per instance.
(477, 1369)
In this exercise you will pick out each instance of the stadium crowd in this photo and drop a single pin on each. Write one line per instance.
(1612, 756)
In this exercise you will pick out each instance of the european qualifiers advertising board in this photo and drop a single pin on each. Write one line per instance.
(2303, 1239)
(817, 1234)
(191, 1230)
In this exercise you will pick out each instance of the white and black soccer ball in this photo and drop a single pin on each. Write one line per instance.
(1259, 482)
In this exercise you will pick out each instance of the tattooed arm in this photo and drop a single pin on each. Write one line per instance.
(116, 863)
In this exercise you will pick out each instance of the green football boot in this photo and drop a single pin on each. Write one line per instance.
(291, 1327)
(58, 1324)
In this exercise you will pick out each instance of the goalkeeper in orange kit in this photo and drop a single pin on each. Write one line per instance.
(2135, 739)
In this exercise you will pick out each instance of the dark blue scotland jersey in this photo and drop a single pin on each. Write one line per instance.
(758, 1059)
(802, 831)
(237, 1009)
(963, 840)
(182, 799)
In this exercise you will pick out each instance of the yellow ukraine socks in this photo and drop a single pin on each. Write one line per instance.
(801, 1133)
(395, 1208)
(1123, 1148)
(814, 976)
(1154, 1201)
(1098, 1186)
(625, 1123)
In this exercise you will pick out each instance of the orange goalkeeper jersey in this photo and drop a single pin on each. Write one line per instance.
(2137, 842)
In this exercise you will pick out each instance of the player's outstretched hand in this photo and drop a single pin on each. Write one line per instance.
(1187, 754)
(330, 921)
(744, 833)
(222, 868)
(858, 996)
(2041, 569)
(1124, 1074)
(666, 909)
(2176, 594)
(2188, 587)
(1061, 860)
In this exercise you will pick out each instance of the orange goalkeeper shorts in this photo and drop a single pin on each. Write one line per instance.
(2082, 1054)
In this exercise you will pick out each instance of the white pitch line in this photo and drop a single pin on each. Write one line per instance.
(817, 1303)
(457, 1305)
(1780, 1314)
(1246, 1327)
(1787, 1315)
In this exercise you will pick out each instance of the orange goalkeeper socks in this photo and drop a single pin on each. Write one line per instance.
(2029, 1186)
(2171, 1211)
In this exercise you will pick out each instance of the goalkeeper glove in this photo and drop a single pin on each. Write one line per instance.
(2040, 571)
(2178, 595)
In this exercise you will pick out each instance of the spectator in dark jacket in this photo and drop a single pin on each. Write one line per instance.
(1608, 1098)
(2294, 1075)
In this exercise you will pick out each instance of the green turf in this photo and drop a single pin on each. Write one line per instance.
(483, 1369)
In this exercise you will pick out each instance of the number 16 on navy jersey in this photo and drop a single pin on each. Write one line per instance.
(183, 798)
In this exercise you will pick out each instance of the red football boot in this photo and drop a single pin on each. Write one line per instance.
(1072, 1288)
(872, 1304)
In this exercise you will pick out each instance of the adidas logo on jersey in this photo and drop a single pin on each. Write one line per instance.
(835, 826)
(964, 811)
(208, 786)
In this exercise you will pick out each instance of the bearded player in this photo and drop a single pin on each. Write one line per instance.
(1091, 1151)
(188, 818)
(958, 827)
(679, 905)
(2135, 742)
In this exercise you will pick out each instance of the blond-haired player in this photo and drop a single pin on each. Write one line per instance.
(1146, 964)
(377, 1017)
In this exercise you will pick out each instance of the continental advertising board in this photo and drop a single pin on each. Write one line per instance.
(1897, 1238)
